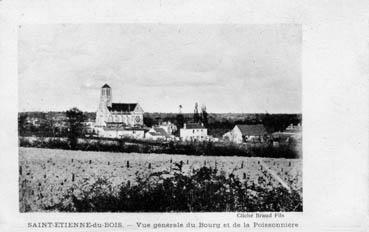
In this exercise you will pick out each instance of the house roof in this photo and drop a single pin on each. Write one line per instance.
(194, 126)
(106, 86)
(248, 130)
(159, 132)
(124, 107)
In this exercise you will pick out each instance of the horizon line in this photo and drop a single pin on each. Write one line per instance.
(158, 112)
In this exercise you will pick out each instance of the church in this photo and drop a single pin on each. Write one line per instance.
(118, 119)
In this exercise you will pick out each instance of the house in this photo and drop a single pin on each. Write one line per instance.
(245, 133)
(89, 126)
(157, 133)
(294, 128)
(169, 127)
(227, 136)
(34, 121)
(193, 132)
(292, 133)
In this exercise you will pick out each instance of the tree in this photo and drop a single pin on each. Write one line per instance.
(204, 115)
(21, 123)
(279, 122)
(75, 125)
(148, 121)
(179, 119)
(196, 116)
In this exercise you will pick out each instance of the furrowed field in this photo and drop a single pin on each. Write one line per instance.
(66, 180)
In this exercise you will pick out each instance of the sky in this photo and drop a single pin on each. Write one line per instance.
(236, 68)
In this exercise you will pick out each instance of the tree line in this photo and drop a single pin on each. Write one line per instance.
(71, 122)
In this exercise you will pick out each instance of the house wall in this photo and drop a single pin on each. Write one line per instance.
(122, 133)
(236, 135)
(193, 134)
(102, 116)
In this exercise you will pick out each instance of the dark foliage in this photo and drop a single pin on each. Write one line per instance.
(203, 191)
(145, 146)
(75, 126)
(180, 121)
(204, 117)
(279, 122)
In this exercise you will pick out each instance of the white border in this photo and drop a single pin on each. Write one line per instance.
(335, 101)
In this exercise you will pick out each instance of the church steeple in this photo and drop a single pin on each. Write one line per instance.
(106, 95)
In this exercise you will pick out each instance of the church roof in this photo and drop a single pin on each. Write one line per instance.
(252, 130)
(106, 86)
(124, 107)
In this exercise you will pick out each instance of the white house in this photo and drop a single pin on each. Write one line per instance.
(244, 133)
(193, 132)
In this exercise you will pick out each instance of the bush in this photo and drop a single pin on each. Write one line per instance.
(141, 146)
(203, 191)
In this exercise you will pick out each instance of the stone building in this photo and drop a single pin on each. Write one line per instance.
(118, 119)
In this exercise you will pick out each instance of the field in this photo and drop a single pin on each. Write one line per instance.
(47, 175)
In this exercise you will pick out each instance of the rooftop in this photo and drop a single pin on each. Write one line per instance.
(248, 130)
(161, 131)
(194, 126)
(122, 107)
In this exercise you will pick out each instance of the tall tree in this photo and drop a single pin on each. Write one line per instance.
(196, 116)
(75, 125)
(180, 118)
(204, 115)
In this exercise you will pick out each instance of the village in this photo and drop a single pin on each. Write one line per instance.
(126, 120)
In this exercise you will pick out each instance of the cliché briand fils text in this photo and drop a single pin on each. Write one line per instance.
(252, 220)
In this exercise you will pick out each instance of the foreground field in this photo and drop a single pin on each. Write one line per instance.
(48, 176)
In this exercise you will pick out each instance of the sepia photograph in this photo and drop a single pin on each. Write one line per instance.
(158, 117)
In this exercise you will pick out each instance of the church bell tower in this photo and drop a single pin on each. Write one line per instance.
(105, 97)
